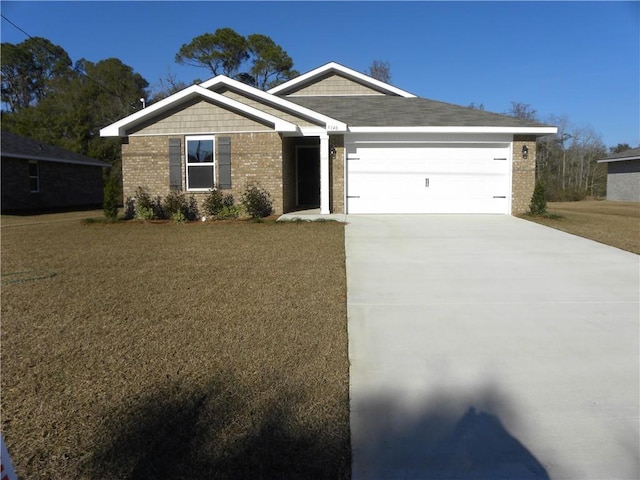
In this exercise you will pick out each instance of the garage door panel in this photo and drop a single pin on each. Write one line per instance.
(427, 179)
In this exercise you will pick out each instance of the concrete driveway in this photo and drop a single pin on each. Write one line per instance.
(490, 347)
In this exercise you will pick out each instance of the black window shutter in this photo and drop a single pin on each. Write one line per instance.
(175, 168)
(224, 162)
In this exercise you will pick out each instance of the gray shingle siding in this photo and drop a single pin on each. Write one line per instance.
(623, 181)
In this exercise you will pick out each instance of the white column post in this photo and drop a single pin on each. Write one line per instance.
(324, 174)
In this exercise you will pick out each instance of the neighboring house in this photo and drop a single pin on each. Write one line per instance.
(623, 176)
(332, 139)
(37, 176)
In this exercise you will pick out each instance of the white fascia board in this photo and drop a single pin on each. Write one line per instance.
(118, 129)
(510, 130)
(621, 159)
(331, 124)
(333, 66)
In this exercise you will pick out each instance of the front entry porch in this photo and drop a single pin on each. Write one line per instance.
(307, 174)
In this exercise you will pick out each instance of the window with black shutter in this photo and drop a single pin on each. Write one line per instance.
(224, 162)
(175, 169)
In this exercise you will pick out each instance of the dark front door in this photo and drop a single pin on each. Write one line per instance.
(308, 175)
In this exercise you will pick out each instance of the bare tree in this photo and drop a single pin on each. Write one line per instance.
(523, 111)
(380, 70)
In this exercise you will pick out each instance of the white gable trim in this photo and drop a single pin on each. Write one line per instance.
(118, 129)
(331, 124)
(336, 67)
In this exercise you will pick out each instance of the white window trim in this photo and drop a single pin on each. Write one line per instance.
(36, 176)
(201, 164)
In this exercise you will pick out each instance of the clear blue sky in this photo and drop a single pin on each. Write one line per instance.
(579, 59)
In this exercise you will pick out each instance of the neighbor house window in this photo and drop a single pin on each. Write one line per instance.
(34, 177)
(200, 162)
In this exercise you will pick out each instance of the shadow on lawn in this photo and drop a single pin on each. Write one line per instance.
(214, 434)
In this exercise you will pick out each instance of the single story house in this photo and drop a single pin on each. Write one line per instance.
(623, 176)
(333, 139)
(38, 176)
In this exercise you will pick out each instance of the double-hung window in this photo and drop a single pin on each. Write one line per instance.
(34, 177)
(200, 162)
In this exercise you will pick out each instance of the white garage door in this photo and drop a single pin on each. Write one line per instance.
(428, 177)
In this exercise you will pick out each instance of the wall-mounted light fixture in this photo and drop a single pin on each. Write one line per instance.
(332, 152)
(525, 152)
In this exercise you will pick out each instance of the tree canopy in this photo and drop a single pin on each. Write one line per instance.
(28, 69)
(46, 98)
(256, 60)
(221, 52)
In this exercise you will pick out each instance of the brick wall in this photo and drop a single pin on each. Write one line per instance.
(145, 163)
(62, 185)
(256, 159)
(337, 174)
(523, 174)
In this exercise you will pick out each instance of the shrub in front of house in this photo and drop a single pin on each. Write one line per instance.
(110, 205)
(221, 207)
(538, 205)
(257, 202)
(129, 209)
(178, 208)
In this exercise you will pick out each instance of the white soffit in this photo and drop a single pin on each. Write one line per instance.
(118, 129)
(336, 67)
(510, 130)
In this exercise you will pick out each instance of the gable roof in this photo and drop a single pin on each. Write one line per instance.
(386, 111)
(119, 129)
(386, 108)
(632, 154)
(17, 146)
(319, 73)
(265, 97)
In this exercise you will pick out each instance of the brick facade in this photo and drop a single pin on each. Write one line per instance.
(61, 185)
(523, 177)
(337, 175)
(268, 161)
(256, 159)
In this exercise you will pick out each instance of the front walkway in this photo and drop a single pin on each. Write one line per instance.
(490, 347)
(313, 215)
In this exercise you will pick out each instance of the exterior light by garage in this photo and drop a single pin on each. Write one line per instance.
(525, 152)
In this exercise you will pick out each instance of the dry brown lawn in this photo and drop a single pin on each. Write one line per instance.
(151, 351)
(613, 223)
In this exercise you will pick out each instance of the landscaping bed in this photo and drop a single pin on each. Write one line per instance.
(201, 350)
(613, 223)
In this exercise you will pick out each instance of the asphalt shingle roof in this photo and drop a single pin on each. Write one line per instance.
(23, 147)
(632, 154)
(391, 111)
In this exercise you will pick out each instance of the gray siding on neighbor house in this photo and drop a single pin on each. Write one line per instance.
(623, 181)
